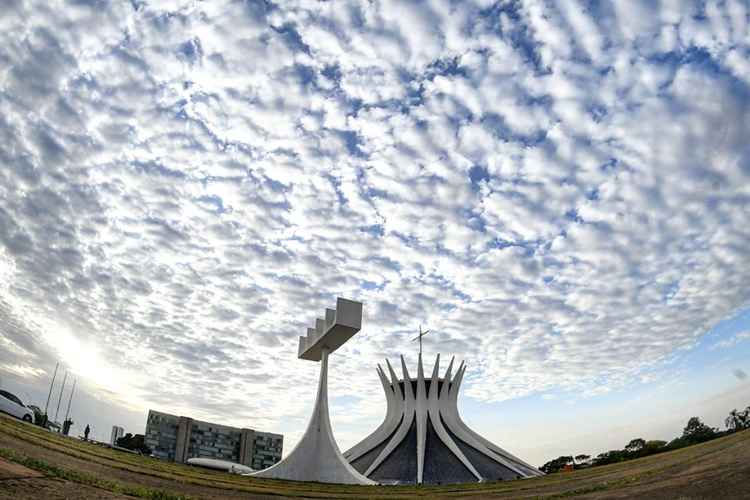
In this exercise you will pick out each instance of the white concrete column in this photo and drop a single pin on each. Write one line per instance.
(317, 457)
(392, 417)
(408, 417)
(435, 404)
(421, 416)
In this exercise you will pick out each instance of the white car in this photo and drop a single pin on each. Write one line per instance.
(11, 405)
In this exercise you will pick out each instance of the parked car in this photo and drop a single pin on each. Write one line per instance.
(11, 405)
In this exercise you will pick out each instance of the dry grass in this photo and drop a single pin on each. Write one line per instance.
(666, 475)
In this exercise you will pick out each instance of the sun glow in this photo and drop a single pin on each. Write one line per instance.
(86, 361)
(83, 359)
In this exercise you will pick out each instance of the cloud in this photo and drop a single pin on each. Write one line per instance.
(740, 374)
(560, 193)
(731, 341)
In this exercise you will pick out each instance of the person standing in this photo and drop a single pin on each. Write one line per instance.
(86, 432)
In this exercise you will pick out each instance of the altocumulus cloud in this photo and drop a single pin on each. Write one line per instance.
(560, 190)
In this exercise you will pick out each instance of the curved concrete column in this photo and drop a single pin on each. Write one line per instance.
(392, 414)
(447, 381)
(436, 408)
(526, 467)
(409, 405)
(456, 424)
(317, 457)
(394, 383)
(393, 391)
(421, 416)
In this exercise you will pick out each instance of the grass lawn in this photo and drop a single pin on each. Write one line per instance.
(717, 469)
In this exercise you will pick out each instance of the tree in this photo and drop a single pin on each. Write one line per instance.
(556, 465)
(610, 457)
(738, 420)
(134, 442)
(654, 445)
(697, 432)
(635, 445)
(582, 461)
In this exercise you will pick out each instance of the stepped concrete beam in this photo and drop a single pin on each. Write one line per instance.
(338, 326)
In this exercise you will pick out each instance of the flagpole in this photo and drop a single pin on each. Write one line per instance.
(52, 384)
(61, 393)
(71, 398)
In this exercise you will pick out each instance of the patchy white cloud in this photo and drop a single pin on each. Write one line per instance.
(561, 192)
(731, 341)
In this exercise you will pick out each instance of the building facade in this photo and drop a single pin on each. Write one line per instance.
(117, 433)
(177, 438)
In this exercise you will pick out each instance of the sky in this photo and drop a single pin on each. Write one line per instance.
(560, 191)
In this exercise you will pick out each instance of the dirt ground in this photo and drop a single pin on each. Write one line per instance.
(51, 489)
(719, 469)
(9, 470)
(17, 481)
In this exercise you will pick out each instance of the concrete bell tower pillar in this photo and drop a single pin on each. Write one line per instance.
(317, 456)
